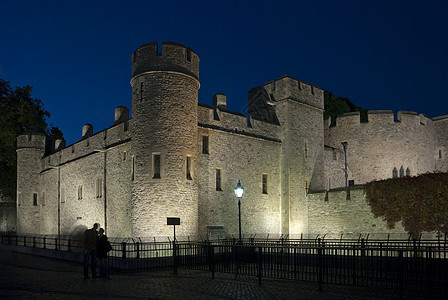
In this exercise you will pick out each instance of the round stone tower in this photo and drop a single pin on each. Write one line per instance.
(164, 139)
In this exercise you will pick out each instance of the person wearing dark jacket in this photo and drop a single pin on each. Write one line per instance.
(103, 247)
(90, 241)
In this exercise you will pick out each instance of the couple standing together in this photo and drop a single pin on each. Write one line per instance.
(96, 247)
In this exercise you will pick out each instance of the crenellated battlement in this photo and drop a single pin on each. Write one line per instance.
(31, 141)
(173, 57)
(380, 117)
(287, 87)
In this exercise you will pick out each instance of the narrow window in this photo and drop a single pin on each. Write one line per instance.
(401, 172)
(306, 150)
(156, 165)
(408, 172)
(440, 153)
(351, 183)
(35, 199)
(80, 192)
(265, 183)
(141, 91)
(133, 168)
(188, 169)
(125, 155)
(394, 173)
(99, 187)
(218, 180)
(62, 195)
(205, 144)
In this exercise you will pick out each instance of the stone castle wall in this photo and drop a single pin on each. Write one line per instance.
(377, 147)
(108, 177)
(332, 212)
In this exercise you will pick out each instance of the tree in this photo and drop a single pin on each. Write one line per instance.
(420, 202)
(335, 106)
(19, 113)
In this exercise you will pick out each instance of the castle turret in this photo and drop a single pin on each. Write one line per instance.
(164, 112)
(299, 108)
(30, 150)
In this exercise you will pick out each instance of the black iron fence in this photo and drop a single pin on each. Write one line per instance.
(396, 264)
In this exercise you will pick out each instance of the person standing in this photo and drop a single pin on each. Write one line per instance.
(90, 243)
(103, 247)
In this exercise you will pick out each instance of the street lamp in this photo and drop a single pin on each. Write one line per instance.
(239, 190)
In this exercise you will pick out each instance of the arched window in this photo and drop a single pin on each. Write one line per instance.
(401, 172)
(394, 173)
(408, 172)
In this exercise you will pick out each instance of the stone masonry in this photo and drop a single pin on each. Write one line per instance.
(179, 158)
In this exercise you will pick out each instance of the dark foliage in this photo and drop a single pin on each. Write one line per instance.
(19, 113)
(420, 202)
(335, 106)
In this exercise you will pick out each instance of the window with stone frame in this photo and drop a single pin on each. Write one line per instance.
(156, 166)
(35, 199)
(218, 180)
(205, 140)
(63, 195)
(394, 173)
(188, 168)
(80, 192)
(264, 179)
(99, 187)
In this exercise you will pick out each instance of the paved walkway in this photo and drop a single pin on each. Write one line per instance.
(24, 276)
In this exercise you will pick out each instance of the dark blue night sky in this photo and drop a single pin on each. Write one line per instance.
(77, 55)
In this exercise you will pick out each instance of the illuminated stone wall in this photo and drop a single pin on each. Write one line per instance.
(375, 148)
(333, 213)
(284, 138)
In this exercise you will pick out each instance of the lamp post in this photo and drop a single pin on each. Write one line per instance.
(239, 190)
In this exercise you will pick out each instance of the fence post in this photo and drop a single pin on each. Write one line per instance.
(211, 251)
(45, 243)
(56, 244)
(354, 265)
(260, 264)
(138, 249)
(69, 245)
(24, 241)
(429, 268)
(123, 250)
(174, 258)
(401, 271)
(34, 242)
(320, 266)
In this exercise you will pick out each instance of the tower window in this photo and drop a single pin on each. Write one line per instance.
(394, 173)
(306, 150)
(62, 195)
(408, 172)
(125, 155)
(133, 168)
(440, 153)
(401, 172)
(205, 144)
(80, 192)
(264, 183)
(99, 187)
(156, 165)
(218, 180)
(188, 169)
(35, 199)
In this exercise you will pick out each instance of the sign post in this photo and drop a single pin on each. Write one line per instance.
(174, 222)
